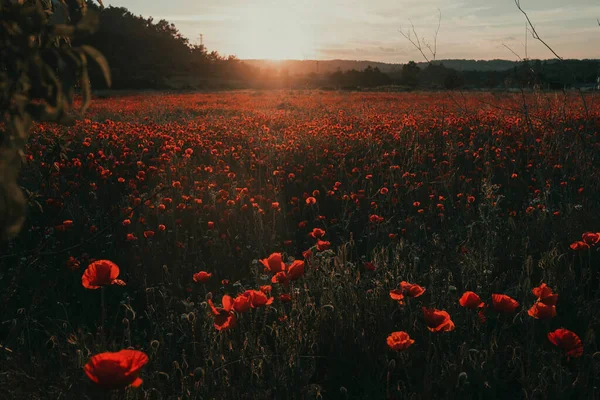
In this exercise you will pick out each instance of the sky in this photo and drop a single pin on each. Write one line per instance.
(370, 29)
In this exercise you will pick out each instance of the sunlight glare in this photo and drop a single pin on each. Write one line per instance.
(275, 31)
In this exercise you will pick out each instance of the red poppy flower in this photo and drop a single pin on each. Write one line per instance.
(202, 277)
(295, 270)
(397, 295)
(438, 320)
(266, 289)
(148, 234)
(285, 298)
(116, 370)
(224, 318)
(273, 264)
(317, 233)
(101, 273)
(399, 341)
(411, 289)
(258, 298)
(568, 341)
(545, 295)
(307, 254)
(311, 200)
(542, 311)
(242, 303)
(579, 245)
(281, 277)
(470, 300)
(504, 304)
(323, 245)
(590, 238)
(369, 265)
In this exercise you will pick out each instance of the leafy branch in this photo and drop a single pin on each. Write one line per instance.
(40, 74)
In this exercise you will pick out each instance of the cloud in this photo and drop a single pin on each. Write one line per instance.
(369, 29)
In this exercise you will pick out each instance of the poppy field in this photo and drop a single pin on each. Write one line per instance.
(308, 245)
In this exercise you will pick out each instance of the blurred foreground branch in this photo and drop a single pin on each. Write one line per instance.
(40, 73)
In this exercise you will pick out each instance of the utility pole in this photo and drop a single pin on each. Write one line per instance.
(201, 39)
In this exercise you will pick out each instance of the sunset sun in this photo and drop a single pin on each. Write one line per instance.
(275, 33)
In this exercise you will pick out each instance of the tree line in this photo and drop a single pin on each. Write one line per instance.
(147, 54)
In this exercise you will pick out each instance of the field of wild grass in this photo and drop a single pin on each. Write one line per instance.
(309, 245)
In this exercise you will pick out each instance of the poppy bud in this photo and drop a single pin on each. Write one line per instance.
(155, 344)
(50, 343)
(462, 379)
(343, 391)
(191, 317)
(198, 373)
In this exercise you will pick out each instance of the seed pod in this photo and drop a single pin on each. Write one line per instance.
(198, 373)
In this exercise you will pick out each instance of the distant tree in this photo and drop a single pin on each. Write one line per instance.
(410, 74)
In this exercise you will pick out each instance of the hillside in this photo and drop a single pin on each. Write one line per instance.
(328, 66)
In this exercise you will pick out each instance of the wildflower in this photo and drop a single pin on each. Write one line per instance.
(545, 295)
(311, 200)
(540, 310)
(242, 303)
(266, 289)
(568, 341)
(273, 263)
(323, 245)
(438, 320)
(307, 254)
(397, 295)
(579, 245)
(317, 233)
(399, 341)
(285, 298)
(116, 370)
(148, 234)
(281, 277)
(258, 298)
(504, 304)
(411, 289)
(295, 270)
(202, 277)
(224, 318)
(369, 265)
(470, 300)
(73, 263)
(589, 238)
(101, 273)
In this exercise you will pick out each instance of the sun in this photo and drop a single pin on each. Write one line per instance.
(274, 31)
